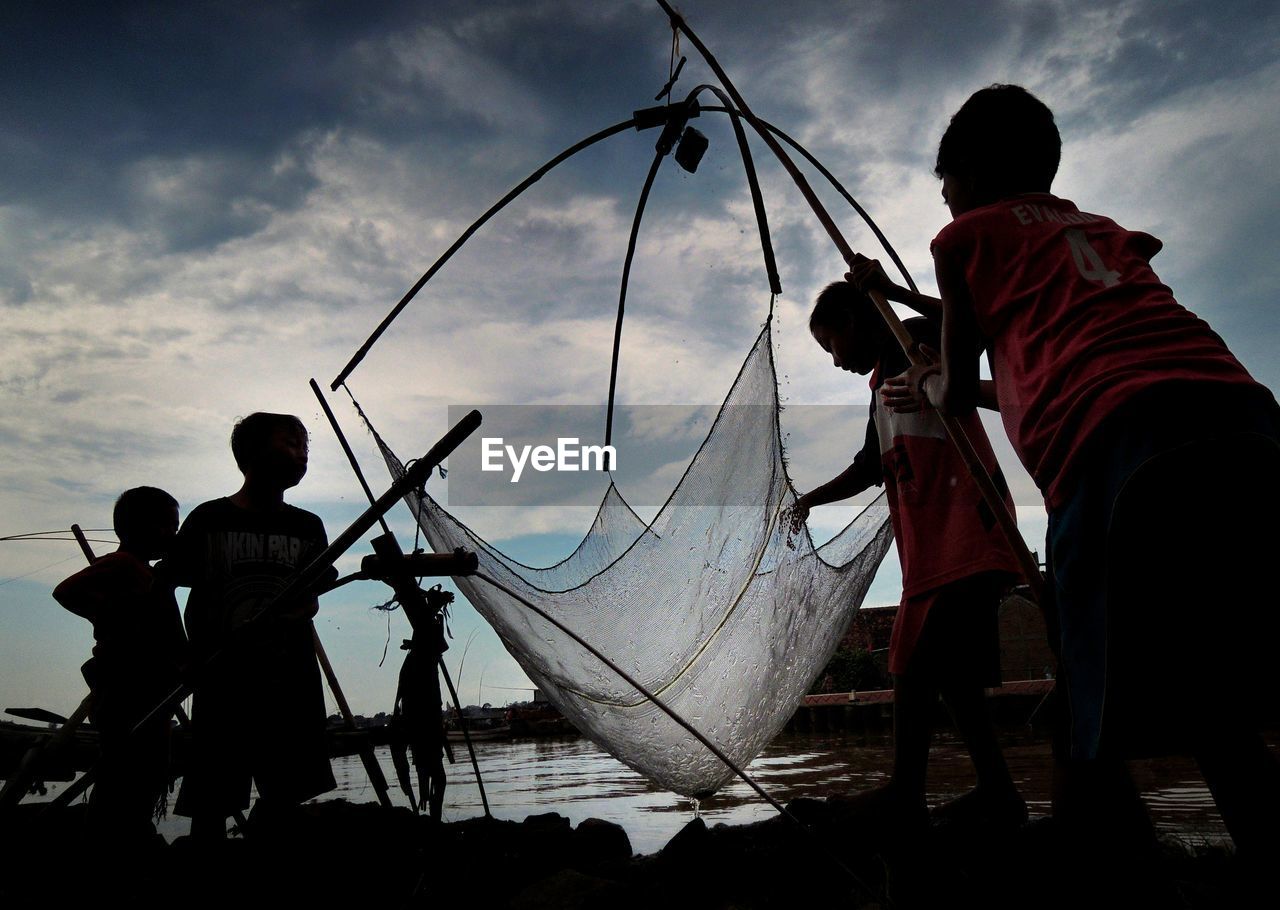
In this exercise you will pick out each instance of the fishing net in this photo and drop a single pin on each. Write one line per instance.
(714, 606)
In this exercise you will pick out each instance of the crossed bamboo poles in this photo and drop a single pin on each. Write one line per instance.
(299, 585)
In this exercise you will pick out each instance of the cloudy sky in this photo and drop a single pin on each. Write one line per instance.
(204, 205)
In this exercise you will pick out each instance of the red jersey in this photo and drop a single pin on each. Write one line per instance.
(1077, 321)
(944, 529)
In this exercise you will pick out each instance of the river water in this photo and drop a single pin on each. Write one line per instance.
(574, 777)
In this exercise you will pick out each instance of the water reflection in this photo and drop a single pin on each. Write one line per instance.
(576, 778)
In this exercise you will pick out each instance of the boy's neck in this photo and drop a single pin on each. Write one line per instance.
(257, 496)
(891, 354)
(142, 554)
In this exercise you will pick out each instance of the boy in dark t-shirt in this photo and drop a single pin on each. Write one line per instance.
(137, 654)
(259, 712)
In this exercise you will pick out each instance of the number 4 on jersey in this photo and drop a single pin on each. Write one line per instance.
(1088, 261)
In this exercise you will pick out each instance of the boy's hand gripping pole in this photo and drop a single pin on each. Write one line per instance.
(1030, 567)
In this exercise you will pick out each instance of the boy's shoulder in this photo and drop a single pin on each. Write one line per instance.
(223, 506)
(118, 572)
(303, 517)
(1013, 214)
(924, 330)
(210, 508)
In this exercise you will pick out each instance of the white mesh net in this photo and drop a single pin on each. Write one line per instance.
(711, 607)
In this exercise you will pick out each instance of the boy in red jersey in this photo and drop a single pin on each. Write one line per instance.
(956, 566)
(1160, 574)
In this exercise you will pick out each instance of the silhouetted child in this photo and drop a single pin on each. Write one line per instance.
(259, 712)
(138, 650)
(1157, 453)
(956, 566)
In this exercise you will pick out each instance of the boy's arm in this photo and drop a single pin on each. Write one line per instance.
(83, 593)
(94, 587)
(987, 395)
(309, 606)
(905, 393)
(956, 389)
(868, 275)
(863, 473)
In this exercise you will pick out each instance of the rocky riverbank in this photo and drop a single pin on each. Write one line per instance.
(338, 854)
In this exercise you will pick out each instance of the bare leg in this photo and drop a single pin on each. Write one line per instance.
(208, 828)
(968, 706)
(1244, 778)
(914, 702)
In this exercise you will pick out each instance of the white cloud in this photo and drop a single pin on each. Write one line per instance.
(216, 280)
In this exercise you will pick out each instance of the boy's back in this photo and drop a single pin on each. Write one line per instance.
(1079, 322)
(135, 617)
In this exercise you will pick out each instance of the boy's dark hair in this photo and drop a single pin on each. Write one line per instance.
(1004, 139)
(252, 435)
(838, 304)
(139, 510)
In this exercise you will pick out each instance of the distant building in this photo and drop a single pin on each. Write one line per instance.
(1024, 644)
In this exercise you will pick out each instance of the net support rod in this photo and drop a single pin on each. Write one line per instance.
(466, 734)
(753, 185)
(466, 235)
(839, 188)
(690, 728)
(346, 450)
(622, 292)
(367, 758)
(1008, 526)
(368, 492)
(762, 224)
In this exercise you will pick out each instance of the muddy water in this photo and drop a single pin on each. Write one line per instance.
(574, 777)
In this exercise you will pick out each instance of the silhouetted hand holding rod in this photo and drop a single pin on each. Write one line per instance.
(305, 580)
(858, 264)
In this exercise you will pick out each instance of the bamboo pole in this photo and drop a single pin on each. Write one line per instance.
(16, 786)
(87, 550)
(1008, 526)
(370, 761)
(364, 485)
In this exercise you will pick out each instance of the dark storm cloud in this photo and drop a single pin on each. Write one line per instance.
(99, 95)
(197, 121)
(1166, 47)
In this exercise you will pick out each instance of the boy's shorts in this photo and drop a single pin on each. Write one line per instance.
(1160, 568)
(261, 720)
(959, 641)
